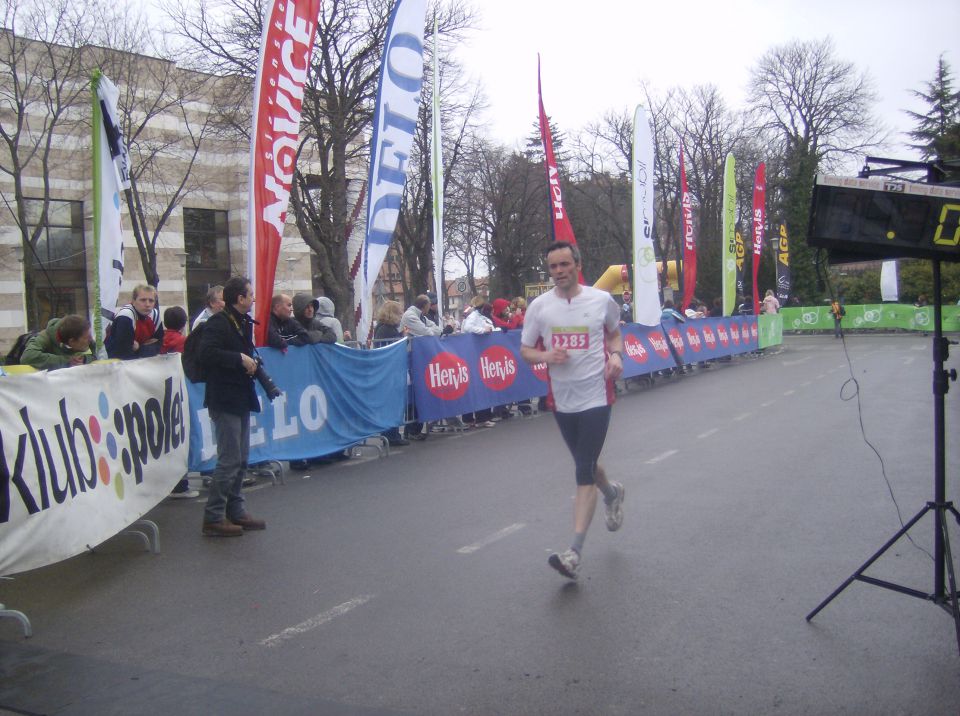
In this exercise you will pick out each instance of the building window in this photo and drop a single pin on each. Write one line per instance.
(206, 240)
(55, 265)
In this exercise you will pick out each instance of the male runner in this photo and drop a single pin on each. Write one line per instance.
(574, 329)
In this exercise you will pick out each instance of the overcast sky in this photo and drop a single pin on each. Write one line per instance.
(594, 54)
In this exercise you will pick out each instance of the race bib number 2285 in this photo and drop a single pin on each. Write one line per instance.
(571, 338)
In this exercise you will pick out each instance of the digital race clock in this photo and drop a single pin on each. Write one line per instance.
(865, 219)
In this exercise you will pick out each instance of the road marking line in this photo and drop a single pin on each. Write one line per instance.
(314, 622)
(661, 457)
(790, 392)
(908, 361)
(742, 416)
(767, 404)
(490, 539)
(804, 385)
(822, 375)
(797, 362)
(708, 433)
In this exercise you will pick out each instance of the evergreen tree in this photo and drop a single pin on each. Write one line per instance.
(937, 133)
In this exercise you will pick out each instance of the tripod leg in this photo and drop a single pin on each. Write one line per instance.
(954, 511)
(903, 530)
(952, 577)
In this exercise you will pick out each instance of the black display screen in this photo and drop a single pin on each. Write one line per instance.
(872, 219)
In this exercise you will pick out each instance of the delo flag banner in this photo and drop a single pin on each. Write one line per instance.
(728, 252)
(759, 221)
(85, 452)
(333, 397)
(559, 219)
(289, 28)
(782, 253)
(646, 289)
(689, 241)
(394, 124)
(436, 172)
(111, 175)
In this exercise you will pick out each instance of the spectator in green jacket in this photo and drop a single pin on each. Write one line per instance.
(65, 342)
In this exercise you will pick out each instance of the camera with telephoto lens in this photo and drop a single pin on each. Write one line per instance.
(266, 382)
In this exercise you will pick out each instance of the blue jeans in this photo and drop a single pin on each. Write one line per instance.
(233, 448)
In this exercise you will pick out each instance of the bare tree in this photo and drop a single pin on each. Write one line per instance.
(43, 84)
(817, 108)
(153, 92)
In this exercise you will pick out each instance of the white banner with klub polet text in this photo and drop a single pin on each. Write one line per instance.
(85, 452)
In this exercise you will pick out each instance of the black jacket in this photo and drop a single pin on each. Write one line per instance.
(228, 388)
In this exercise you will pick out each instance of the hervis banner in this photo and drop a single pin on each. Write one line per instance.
(78, 465)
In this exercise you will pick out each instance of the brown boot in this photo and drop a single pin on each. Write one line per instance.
(249, 522)
(223, 528)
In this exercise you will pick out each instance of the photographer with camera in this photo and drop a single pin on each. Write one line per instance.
(231, 364)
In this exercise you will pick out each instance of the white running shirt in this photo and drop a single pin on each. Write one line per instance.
(578, 325)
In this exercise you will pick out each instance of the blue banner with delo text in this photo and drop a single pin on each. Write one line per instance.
(333, 397)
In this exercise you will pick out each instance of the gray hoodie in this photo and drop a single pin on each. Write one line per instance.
(325, 315)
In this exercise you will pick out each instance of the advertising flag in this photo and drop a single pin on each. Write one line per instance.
(394, 124)
(729, 251)
(889, 290)
(782, 252)
(436, 174)
(689, 242)
(559, 219)
(111, 174)
(759, 219)
(646, 290)
(285, 49)
(740, 249)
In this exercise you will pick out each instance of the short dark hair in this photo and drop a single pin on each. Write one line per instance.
(557, 245)
(72, 327)
(174, 318)
(234, 288)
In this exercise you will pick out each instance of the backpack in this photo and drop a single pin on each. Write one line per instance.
(13, 357)
(190, 358)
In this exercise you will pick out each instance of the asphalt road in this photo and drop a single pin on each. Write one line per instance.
(418, 583)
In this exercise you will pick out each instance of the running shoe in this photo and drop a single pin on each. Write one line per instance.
(567, 563)
(615, 508)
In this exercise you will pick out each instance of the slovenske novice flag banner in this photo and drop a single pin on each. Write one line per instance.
(394, 126)
(285, 50)
(559, 219)
(729, 249)
(111, 175)
(646, 290)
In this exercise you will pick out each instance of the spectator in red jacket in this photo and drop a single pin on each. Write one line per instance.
(174, 319)
(501, 315)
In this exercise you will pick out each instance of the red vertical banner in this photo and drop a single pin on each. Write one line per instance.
(759, 220)
(560, 221)
(689, 241)
(285, 49)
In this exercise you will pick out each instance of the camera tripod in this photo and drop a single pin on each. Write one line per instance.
(940, 507)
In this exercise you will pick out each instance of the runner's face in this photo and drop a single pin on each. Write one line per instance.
(563, 269)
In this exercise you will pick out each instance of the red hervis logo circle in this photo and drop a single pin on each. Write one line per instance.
(498, 368)
(724, 338)
(674, 335)
(659, 343)
(709, 338)
(735, 334)
(693, 339)
(754, 331)
(540, 370)
(447, 376)
(634, 348)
